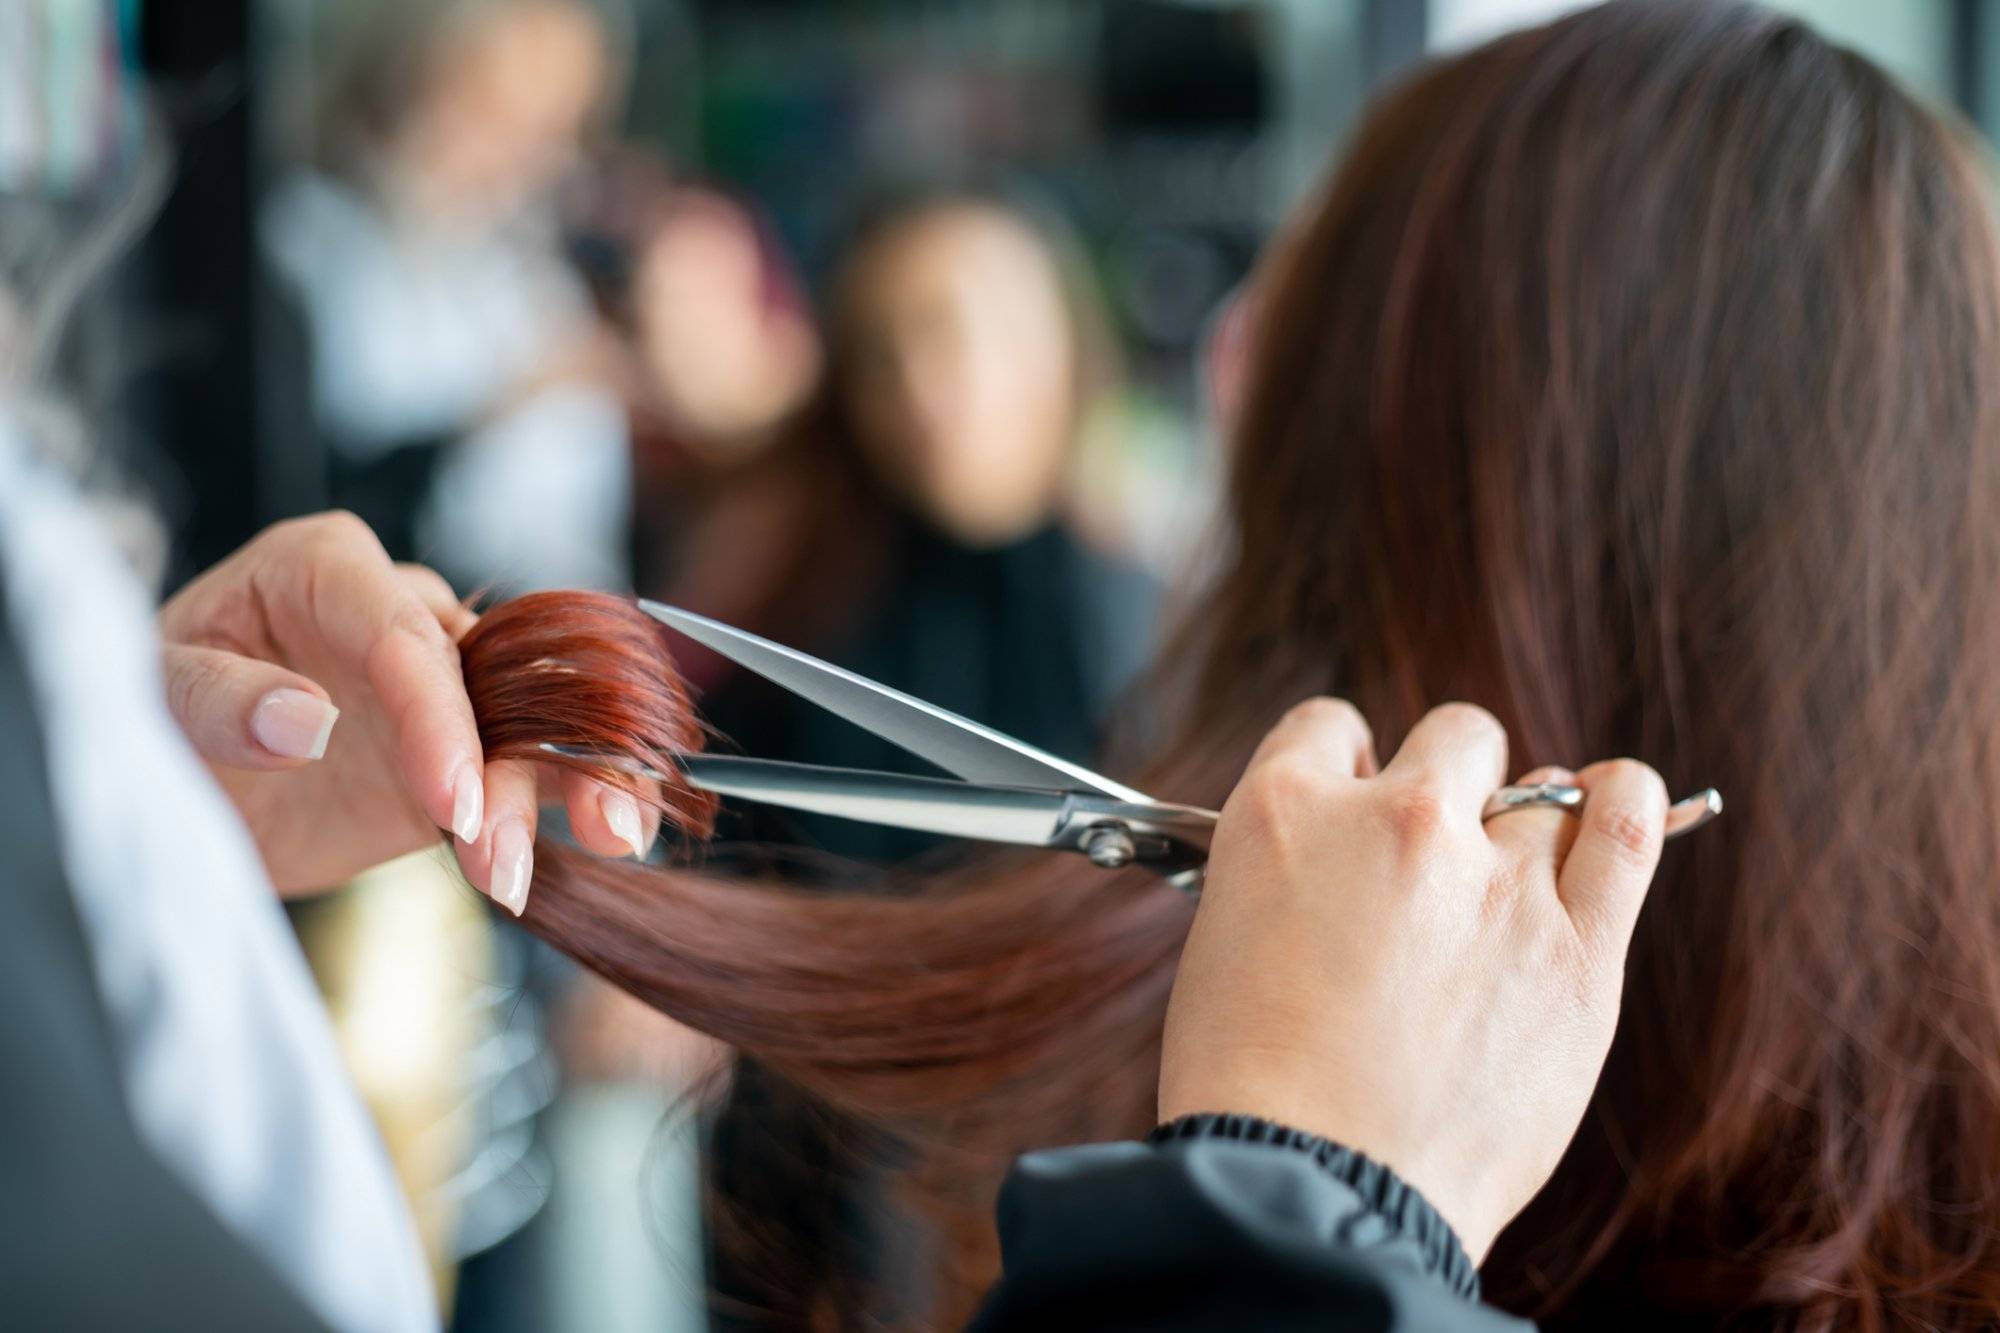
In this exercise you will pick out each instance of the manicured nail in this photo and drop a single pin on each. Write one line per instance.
(621, 812)
(513, 866)
(468, 803)
(293, 724)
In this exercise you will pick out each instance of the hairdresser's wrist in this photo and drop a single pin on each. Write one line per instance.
(1403, 1214)
(1451, 1182)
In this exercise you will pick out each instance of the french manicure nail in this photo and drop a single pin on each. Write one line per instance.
(293, 724)
(513, 866)
(468, 803)
(621, 812)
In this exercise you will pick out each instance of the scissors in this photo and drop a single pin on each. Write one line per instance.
(1006, 790)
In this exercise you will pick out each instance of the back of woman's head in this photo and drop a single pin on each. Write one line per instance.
(1634, 380)
(1631, 379)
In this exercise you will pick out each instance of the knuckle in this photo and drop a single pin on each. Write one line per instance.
(344, 522)
(417, 622)
(191, 684)
(410, 619)
(1326, 713)
(287, 532)
(340, 529)
(1287, 784)
(1279, 798)
(1414, 813)
(1638, 776)
(1469, 718)
(427, 586)
(423, 576)
(1628, 831)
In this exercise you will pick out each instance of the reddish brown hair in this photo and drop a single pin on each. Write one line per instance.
(1634, 378)
(585, 669)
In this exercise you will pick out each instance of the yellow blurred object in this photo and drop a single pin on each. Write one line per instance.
(402, 956)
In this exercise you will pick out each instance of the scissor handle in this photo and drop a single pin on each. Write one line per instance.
(1683, 816)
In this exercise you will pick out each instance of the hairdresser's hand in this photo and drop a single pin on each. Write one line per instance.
(1372, 964)
(321, 683)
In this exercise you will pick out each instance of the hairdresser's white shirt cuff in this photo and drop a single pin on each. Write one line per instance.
(229, 1061)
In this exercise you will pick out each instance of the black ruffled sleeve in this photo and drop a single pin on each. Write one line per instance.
(1227, 1222)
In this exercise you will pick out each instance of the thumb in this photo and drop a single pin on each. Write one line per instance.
(242, 713)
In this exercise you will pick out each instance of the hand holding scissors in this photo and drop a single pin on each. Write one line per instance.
(1005, 790)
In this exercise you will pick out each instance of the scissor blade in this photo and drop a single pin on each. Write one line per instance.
(956, 744)
(929, 805)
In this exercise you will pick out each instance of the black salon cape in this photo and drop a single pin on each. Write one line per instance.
(1226, 1226)
(94, 1232)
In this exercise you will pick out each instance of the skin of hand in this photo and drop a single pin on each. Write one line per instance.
(321, 683)
(1371, 963)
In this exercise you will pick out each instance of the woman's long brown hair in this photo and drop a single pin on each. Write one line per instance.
(1637, 377)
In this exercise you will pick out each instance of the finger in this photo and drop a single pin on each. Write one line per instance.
(1459, 751)
(1329, 735)
(1536, 834)
(501, 862)
(368, 612)
(1622, 825)
(438, 598)
(242, 713)
(607, 819)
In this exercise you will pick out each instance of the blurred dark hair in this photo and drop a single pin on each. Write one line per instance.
(1633, 378)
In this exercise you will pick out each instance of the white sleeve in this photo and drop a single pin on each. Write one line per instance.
(229, 1061)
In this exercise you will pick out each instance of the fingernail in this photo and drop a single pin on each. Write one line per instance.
(468, 803)
(513, 866)
(621, 812)
(293, 724)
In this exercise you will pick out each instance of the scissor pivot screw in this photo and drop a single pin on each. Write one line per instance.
(1109, 846)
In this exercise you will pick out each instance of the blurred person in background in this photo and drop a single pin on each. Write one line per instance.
(894, 501)
(912, 526)
(457, 370)
(470, 415)
(721, 354)
(728, 347)
(908, 524)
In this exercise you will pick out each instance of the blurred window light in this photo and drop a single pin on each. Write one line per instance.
(1910, 38)
(67, 122)
(1455, 24)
